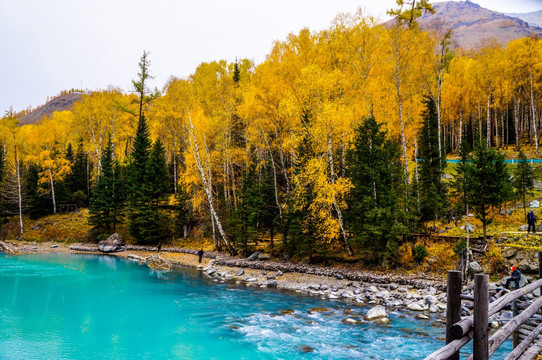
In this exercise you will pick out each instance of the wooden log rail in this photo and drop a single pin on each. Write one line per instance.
(460, 332)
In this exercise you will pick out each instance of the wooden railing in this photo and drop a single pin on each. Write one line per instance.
(460, 332)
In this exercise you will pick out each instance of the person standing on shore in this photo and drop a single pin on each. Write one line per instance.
(200, 255)
(531, 221)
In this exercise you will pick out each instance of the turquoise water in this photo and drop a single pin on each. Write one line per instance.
(66, 306)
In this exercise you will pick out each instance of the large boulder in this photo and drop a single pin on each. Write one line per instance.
(526, 260)
(377, 312)
(524, 280)
(523, 227)
(474, 268)
(114, 243)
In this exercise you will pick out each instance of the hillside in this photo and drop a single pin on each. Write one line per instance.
(471, 24)
(59, 103)
(533, 18)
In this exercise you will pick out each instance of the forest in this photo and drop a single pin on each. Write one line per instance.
(334, 145)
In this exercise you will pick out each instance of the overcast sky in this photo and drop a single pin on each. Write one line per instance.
(51, 45)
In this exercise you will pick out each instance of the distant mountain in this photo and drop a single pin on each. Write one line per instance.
(471, 24)
(533, 18)
(59, 103)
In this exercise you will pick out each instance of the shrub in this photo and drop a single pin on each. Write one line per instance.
(420, 253)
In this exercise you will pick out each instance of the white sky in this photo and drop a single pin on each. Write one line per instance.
(51, 45)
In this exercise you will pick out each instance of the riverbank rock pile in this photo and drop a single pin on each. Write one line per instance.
(84, 248)
(416, 281)
(422, 300)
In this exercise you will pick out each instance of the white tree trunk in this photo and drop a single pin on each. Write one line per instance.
(52, 183)
(335, 203)
(460, 140)
(488, 123)
(516, 120)
(533, 116)
(19, 191)
(207, 188)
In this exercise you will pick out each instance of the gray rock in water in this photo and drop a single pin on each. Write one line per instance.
(271, 283)
(254, 256)
(114, 243)
(414, 307)
(377, 312)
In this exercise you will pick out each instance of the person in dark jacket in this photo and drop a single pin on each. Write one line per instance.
(200, 255)
(515, 276)
(531, 220)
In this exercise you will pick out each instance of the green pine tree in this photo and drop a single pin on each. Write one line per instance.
(77, 180)
(489, 184)
(106, 202)
(38, 202)
(375, 216)
(433, 195)
(524, 180)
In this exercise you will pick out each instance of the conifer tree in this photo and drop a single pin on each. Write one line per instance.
(77, 180)
(106, 202)
(433, 192)
(151, 221)
(490, 183)
(374, 213)
(36, 196)
(524, 179)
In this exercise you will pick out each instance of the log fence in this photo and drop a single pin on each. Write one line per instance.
(525, 327)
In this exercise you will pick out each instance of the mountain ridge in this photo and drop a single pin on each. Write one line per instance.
(472, 25)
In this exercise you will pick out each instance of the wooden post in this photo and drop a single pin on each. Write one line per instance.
(453, 306)
(481, 306)
(515, 335)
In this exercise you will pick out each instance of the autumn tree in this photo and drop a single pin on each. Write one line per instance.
(523, 179)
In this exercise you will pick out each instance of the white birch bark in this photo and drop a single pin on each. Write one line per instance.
(207, 188)
(335, 203)
(52, 183)
(533, 115)
(19, 191)
(488, 122)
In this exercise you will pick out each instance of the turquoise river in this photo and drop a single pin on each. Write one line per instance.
(66, 306)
